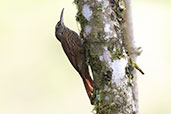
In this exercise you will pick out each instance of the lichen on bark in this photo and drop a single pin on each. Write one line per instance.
(108, 54)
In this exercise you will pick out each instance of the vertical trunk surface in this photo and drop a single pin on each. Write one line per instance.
(106, 30)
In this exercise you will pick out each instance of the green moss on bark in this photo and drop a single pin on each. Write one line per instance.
(107, 98)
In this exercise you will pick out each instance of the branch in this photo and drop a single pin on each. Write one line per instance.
(106, 30)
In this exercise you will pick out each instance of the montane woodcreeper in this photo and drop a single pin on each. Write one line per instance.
(73, 48)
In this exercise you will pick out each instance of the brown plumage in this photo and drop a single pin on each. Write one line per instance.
(74, 50)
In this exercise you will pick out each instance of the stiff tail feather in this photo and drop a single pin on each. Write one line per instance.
(89, 88)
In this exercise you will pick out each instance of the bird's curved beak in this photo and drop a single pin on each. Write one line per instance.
(61, 18)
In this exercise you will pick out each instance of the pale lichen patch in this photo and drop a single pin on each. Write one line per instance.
(107, 88)
(106, 3)
(88, 29)
(105, 48)
(107, 56)
(87, 12)
(107, 28)
(107, 98)
(129, 100)
(108, 22)
(99, 0)
(101, 58)
(115, 35)
(118, 67)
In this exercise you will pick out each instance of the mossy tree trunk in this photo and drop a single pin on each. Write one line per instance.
(106, 30)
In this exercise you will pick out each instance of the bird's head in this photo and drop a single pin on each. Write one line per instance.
(59, 28)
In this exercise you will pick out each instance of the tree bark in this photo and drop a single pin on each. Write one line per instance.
(106, 30)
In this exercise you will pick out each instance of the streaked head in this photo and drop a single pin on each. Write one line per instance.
(59, 28)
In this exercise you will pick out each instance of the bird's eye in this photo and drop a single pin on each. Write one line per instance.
(58, 24)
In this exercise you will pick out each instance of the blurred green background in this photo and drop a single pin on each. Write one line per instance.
(36, 76)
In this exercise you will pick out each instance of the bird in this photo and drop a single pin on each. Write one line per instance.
(74, 50)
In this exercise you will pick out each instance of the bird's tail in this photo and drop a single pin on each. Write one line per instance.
(88, 83)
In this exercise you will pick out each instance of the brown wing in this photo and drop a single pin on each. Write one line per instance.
(68, 51)
(81, 64)
(75, 53)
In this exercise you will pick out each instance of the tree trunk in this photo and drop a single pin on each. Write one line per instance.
(106, 30)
